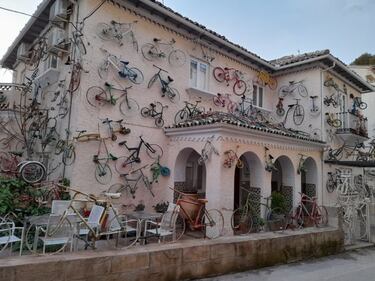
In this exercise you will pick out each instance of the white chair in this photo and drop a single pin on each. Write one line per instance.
(93, 220)
(167, 225)
(57, 233)
(59, 207)
(8, 235)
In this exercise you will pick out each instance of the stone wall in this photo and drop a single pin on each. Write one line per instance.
(179, 261)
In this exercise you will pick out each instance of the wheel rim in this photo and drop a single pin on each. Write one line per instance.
(215, 229)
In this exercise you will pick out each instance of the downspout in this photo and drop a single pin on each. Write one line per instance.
(322, 123)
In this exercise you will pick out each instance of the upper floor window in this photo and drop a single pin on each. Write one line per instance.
(198, 74)
(51, 62)
(257, 95)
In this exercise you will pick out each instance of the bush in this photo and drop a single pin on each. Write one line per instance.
(278, 201)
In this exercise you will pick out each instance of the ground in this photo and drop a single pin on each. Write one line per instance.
(355, 265)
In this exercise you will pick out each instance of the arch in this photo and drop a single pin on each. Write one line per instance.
(283, 180)
(188, 175)
(249, 177)
(309, 177)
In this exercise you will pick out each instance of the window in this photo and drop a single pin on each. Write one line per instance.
(257, 95)
(198, 74)
(51, 62)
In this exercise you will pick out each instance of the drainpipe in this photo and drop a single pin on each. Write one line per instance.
(322, 121)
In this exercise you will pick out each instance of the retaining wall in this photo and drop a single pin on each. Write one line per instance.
(180, 261)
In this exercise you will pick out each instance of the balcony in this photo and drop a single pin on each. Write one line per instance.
(353, 127)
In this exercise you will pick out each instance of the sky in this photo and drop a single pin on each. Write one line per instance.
(268, 28)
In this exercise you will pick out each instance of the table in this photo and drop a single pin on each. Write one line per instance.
(142, 217)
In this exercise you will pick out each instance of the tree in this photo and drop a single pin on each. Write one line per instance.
(364, 59)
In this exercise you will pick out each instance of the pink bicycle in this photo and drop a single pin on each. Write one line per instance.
(228, 74)
(224, 100)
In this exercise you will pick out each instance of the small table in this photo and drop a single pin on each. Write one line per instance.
(142, 217)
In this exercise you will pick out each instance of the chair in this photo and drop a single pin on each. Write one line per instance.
(60, 206)
(167, 225)
(57, 233)
(8, 235)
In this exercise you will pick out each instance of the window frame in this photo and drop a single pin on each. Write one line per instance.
(257, 95)
(199, 74)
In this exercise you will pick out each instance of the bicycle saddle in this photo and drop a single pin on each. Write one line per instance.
(313, 97)
(170, 79)
(156, 39)
(122, 142)
(291, 105)
(112, 195)
(152, 105)
(124, 175)
(125, 62)
(107, 84)
(119, 121)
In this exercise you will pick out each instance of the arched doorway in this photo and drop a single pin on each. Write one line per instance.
(247, 179)
(189, 176)
(282, 179)
(309, 177)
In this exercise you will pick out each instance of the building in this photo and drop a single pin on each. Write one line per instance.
(70, 41)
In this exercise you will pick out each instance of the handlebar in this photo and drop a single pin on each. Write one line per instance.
(160, 69)
(136, 170)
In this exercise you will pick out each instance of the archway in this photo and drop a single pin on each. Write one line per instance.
(189, 176)
(309, 177)
(249, 178)
(282, 180)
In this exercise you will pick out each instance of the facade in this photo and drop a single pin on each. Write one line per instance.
(298, 150)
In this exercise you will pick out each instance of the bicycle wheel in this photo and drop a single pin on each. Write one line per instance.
(105, 31)
(129, 107)
(178, 231)
(320, 216)
(96, 96)
(145, 112)
(173, 95)
(330, 186)
(69, 155)
(276, 219)
(177, 58)
(121, 233)
(336, 123)
(103, 70)
(103, 173)
(159, 122)
(154, 151)
(302, 91)
(284, 91)
(181, 116)
(149, 51)
(298, 114)
(272, 83)
(362, 105)
(316, 134)
(214, 223)
(32, 171)
(217, 101)
(295, 218)
(152, 81)
(241, 222)
(135, 75)
(219, 74)
(280, 111)
(239, 88)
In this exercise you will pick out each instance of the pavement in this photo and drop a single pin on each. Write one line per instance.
(355, 265)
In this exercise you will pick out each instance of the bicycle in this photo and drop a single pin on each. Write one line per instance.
(154, 113)
(330, 83)
(315, 134)
(247, 218)
(166, 90)
(332, 99)
(160, 50)
(133, 74)
(67, 148)
(264, 79)
(188, 112)
(103, 173)
(308, 211)
(337, 154)
(37, 54)
(117, 31)
(333, 121)
(63, 104)
(228, 74)
(231, 158)
(131, 184)
(246, 109)
(298, 113)
(112, 132)
(358, 103)
(292, 87)
(225, 101)
(301, 164)
(314, 110)
(153, 151)
(211, 222)
(97, 96)
(280, 107)
(207, 151)
(332, 181)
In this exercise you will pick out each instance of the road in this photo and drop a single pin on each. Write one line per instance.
(355, 265)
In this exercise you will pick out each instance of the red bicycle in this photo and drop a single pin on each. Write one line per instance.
(228, 74)
(306, 213)
(224, 100)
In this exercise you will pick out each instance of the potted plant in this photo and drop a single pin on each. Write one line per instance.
(276, 220)
(161, 207)
(140, 207)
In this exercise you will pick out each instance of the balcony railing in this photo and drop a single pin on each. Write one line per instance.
(352, 124)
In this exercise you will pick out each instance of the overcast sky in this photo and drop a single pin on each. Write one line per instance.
(269, 28)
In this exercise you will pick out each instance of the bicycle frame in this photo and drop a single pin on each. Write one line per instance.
(134, 156)
(135, 181)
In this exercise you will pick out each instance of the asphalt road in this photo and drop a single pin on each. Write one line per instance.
(357, 265)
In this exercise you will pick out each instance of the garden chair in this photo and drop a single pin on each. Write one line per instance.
(9, 235)
(167, 225)
(57, 233)
(60, 206)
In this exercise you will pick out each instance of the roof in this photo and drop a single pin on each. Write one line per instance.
(37, 23)
(210, 118)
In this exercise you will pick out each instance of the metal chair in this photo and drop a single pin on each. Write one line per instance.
(8, 235)
(60, 206)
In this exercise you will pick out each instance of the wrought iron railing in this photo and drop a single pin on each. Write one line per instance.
(352, 123)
